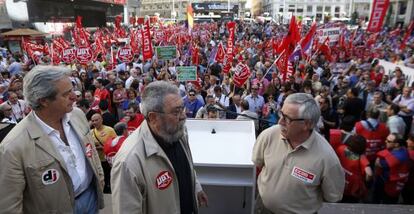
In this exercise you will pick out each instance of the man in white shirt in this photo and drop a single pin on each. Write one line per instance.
(19, 107)
(49, 160)
(134, 75)
(395, 123)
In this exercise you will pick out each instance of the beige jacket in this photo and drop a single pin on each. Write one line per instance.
(26, 154)
(143, 179)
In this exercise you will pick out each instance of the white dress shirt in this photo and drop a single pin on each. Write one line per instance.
(74, 156)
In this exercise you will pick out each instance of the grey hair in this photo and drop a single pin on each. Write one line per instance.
(154, 95)
(37, 83)
(308, 108)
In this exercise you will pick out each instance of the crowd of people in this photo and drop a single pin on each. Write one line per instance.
(365, 112)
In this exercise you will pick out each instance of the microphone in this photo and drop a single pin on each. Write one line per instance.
(212, 106)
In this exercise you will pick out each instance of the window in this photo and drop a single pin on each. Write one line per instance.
(309, 9)
(299, 10)
(403, 8)
(337, 9)
(281, 9)
(327, 8)
(319, 8)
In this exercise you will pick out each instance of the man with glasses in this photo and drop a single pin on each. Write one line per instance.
(255, 100)
(299, 169)
(192, 104)
(133, 117)
(153, 171)
(392, 170)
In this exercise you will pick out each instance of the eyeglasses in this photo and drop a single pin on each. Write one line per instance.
(191, 94)
(287, 119)
(388, 141)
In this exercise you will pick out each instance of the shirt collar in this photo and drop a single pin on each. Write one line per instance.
(45, 127)
(307, 144)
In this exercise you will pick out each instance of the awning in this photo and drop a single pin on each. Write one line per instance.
(23, 32)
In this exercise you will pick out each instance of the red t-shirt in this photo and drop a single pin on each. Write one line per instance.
(103, 94)
(134, 123)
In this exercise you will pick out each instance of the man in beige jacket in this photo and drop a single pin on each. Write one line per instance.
(153, 171)
(49, 163)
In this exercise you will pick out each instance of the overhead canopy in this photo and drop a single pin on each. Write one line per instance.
(23, 32)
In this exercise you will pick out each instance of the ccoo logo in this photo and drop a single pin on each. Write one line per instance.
(50, 176)
(163, 180)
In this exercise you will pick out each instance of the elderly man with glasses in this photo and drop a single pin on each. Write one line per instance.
(153, 171)
(299, 169)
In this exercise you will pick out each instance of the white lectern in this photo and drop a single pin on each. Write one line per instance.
(222, 151)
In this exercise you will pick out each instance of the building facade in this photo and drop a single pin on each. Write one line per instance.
(314, 9)
(400, 12)
(178, 8)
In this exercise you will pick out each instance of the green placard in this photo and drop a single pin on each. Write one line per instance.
(166, 52)
(187, 73)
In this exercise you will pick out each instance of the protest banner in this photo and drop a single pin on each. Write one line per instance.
(166, 52)
(187, 73)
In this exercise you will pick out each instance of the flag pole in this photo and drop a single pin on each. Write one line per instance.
(274, 62)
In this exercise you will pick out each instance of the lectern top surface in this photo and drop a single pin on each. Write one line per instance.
(221, 142)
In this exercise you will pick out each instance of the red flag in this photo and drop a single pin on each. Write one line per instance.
(231, 26)
(79, 34)
(325, 49)
(133, 38)
(195, 57)
(282, 64)
(220, 53)
(132, 21)
(341, 40)
(46, 49)
(78, 21)
(395, 32)
(241, 74)
(407, 34)
(372, 39)
(292, 38)
(119, 31)
(147, 51)
(309, 36)
(275, 46)
(379, 9)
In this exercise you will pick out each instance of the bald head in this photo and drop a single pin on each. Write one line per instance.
(96, 120)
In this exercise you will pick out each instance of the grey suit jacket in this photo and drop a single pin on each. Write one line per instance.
(33, 175)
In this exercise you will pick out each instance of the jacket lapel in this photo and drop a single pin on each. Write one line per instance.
(42, 139)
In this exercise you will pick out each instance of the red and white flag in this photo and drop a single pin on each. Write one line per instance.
(379, 9)
(282, 64)
(147, 50)
(407, 34)
(219, 58)
(231, 27)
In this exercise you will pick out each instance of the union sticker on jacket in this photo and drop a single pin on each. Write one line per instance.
(163, 180)
(303, 175)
